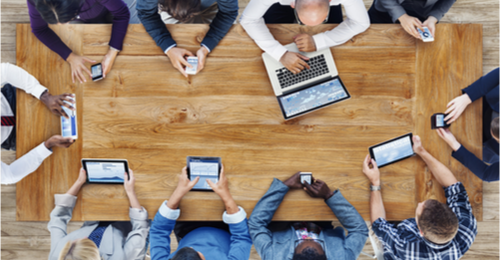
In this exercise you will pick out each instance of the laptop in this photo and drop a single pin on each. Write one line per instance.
(309, 90)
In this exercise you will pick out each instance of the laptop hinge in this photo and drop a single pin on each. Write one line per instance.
(314, 83)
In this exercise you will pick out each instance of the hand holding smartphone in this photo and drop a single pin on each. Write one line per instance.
(193, 61)
(306, 177)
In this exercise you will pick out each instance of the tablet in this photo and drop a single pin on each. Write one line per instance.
(205, 168)
(393, 150)
(105, 170)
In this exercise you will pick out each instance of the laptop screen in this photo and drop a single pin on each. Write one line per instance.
(312, 98)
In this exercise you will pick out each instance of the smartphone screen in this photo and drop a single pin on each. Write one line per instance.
(96, 71)
(440, 121)
(307, 177)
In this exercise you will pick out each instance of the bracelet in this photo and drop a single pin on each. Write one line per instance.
(374, 188)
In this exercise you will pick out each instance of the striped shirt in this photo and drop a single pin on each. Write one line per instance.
(405, 241)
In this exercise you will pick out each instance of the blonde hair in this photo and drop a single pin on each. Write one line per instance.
(81, 249)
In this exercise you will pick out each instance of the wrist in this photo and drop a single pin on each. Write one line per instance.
(402, 17)
(49, 144)
(455, 146)
(375, 182)
(329, 195)
(45, 97)
(467, 98)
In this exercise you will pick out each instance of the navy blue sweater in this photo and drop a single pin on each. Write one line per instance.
(486, 86)
(147, 10)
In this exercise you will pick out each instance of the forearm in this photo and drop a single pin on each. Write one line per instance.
(442, 174)
(221, 24)
(147, 11)
(231, 206)
(175, 199)
(75, 189)
(134, 202)
(25, 165)
(377, 209)
(121, 17)
(441, 8)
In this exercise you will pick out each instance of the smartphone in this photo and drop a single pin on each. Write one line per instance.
(426, 35)
(69, 126)
(193, 61)
(306, 177)
(437, 121)
(96, 71)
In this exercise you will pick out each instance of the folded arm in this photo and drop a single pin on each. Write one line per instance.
(483, 85)
(161, 228)
(25, 165)
(135, 243)
(475, 165)
(21, 79)
(60, 217)
(350, 220)
(262, 215)
(394, 9)
(224, 19)
(147, 10)
(441, 8)
(121, 17)
(357, 22)
(241, 243)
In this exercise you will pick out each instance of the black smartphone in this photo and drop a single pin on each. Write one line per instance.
(96, 71)
(437, 121)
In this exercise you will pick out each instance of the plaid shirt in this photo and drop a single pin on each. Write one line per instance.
(405, 242)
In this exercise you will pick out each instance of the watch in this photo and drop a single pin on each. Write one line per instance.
(374, 188)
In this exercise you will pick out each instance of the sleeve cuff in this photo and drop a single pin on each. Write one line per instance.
(65, 200)
(42, 151)
(139, 214)
(38, 91)
(234, 218)
(169, 213)
(319, 41)
(277, 54)
(206, 47)
(396, 13)
(171, 46)
(437, 15)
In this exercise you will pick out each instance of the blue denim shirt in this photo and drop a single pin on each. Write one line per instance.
(280, 245)
(147, 11)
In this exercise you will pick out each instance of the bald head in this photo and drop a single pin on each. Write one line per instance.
(312, 12)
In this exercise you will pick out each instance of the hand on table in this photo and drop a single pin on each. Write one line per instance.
(184, 186)
(305, 42)
(176, 56)
(410, 23)
(373, 174)
(431, 24)
(294, 182)
(55, 103)
(456, 107)
(294, 62)
(202, 55)
(78, 67)
(449, 138)
(108, 61)
(59, 141)
(221, 189)
(319, 189)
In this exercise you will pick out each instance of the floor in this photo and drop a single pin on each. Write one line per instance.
(31, 240)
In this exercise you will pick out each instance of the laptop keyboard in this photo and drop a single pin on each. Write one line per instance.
(318, 68)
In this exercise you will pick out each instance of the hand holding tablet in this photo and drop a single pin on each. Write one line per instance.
(204, 168)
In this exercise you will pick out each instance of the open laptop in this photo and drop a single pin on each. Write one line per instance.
(309, 90)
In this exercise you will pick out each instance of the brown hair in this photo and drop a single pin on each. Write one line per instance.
(82, 249)
(494, 127)
(438, 222)
(182, 10)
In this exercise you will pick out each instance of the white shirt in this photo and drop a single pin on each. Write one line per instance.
(252, 20)
(28, 163)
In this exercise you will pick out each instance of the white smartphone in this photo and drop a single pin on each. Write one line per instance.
(69, 127)
(306, 177)
(193, 61)
(426, 35)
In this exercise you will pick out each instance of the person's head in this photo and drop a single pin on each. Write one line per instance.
(494, 128)
(312, 12)
(188, 253)
(309, 250)
(81, 249)
(181, 10)
(436, 221)
(58, 11)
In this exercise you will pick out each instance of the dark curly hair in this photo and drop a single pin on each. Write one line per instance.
(181, 10)
(186, 253)
(309, 253)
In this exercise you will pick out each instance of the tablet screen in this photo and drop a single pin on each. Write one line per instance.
(110, 172)
(314, 97)
(205, 169)
(394, 150)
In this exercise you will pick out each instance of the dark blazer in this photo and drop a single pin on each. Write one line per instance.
(436, 8)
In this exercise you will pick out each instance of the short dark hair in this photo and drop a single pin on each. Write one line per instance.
(186, 253)
(309, 253)
(494, 127)
(58, 11)
(438, 222)
(182, 10)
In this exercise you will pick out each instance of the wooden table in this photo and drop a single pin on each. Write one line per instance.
(147, 112)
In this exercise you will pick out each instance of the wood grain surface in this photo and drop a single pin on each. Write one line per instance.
(147, 112)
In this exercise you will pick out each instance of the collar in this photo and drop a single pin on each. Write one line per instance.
(411, 226)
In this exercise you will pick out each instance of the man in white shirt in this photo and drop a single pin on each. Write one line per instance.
(28, 163)
(307, 12)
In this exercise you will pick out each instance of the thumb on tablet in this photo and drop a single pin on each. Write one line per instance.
(193, 182)
(211, 184)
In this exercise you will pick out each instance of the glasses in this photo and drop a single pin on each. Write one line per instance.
(301, 23)
(300, 240)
